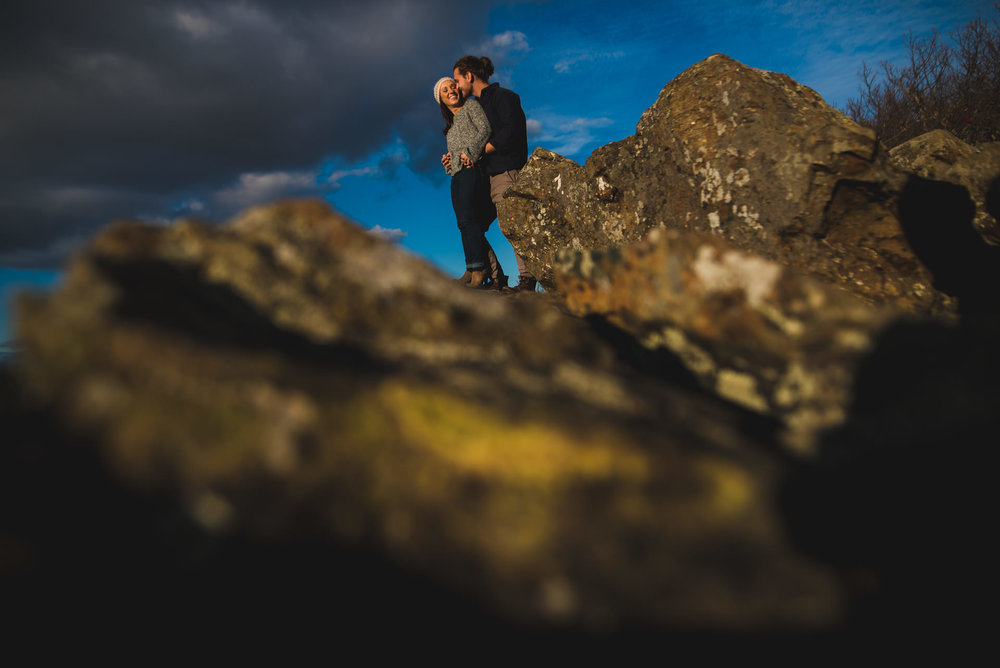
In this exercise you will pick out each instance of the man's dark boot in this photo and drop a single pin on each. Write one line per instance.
(524, 284)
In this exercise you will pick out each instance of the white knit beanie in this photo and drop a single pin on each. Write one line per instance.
(437, 88)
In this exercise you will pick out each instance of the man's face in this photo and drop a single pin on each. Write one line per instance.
(464, 82)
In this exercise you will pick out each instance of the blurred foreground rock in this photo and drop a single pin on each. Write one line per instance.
(289, 374)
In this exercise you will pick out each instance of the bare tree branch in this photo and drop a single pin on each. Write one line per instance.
(950, 82)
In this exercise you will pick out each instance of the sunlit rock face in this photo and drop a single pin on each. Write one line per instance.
(752, 330)
(941, 156)
(748, 155)
(290, 374)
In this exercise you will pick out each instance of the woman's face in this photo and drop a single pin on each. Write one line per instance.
(449, 93)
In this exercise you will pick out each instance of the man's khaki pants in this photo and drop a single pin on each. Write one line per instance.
(498, 186)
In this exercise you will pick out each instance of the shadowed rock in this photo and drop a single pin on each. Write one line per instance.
(901, 497)
(941, 156)
(938, 220)
(744, 154)
(291, 375)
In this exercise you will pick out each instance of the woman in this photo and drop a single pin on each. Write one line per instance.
(467, 131)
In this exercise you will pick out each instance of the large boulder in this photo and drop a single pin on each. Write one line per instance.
(289, 374)
(941, 156)
(747, 155)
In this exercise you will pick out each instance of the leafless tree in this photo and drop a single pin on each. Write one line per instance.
(950, 83)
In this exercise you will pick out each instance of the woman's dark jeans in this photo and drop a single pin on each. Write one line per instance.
(474, 211)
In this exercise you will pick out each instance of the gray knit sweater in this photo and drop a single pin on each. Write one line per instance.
(468, 134)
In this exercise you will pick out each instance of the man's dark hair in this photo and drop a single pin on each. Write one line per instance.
(481, 68)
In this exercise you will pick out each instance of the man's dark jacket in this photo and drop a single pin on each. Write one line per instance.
(509, 133)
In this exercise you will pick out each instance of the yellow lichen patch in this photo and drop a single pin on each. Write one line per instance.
(437, 467)
(474, 440)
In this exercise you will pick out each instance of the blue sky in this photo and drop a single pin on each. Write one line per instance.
(333, 99)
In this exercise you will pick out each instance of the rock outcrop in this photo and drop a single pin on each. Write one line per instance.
(745, 154)
(778, 208)
(941, 156)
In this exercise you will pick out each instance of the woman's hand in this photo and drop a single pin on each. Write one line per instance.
(466, 160)
(446, 160)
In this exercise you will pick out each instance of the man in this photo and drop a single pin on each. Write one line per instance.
(507, 148)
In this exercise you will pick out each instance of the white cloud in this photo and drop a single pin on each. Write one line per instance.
(566, 135)
(571, 58)
(534, 127)
(389, 234)
(333, 181)
(504, 45)
(256, 187)
(506, 50)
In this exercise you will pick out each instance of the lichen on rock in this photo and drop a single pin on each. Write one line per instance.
(748, 155)
(756, 332)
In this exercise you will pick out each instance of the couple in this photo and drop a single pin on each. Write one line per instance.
(487, 146)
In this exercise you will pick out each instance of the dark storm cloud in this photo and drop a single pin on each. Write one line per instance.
(117, 108)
